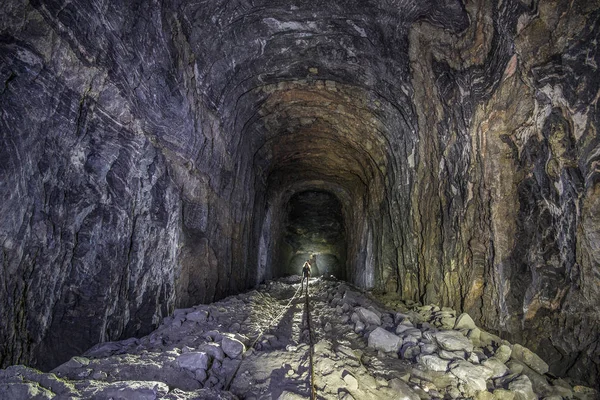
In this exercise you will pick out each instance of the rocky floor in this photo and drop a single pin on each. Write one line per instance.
(256, 346)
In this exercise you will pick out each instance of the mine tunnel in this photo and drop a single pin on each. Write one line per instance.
(156, 156)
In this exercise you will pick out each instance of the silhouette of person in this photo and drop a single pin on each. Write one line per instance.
(305, 275)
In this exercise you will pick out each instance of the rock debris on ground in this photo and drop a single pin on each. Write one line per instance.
(255, 345)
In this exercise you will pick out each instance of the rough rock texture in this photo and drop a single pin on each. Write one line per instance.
(173, 363)
(149, 153)
(504, 226)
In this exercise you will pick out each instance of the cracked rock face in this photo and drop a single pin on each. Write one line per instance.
(149, 154)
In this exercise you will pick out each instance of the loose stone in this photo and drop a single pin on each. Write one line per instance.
(380, 339)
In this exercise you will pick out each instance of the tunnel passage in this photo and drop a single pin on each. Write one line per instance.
(149, 153)
(314, 226)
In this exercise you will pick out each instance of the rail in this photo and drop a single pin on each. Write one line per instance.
(313, 395)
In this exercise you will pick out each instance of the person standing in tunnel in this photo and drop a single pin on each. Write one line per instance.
(305, 275)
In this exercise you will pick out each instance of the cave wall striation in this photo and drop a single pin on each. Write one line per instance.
(149, 152)
(505, 213)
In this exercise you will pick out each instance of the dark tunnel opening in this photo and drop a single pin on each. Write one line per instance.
(314, 225)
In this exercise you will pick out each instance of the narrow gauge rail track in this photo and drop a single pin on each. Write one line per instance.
(313, 394)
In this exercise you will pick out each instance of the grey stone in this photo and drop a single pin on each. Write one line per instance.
(380, 339)
(464, 321)
(368, 316)
(411, 335)
(522, 388)
(200, 375)
(453, 341)
(197, 316)
(452, 355)
(194, 360)
(499, 368)
(447, 322)
(402, 328)
(213, 349)
(350, 380)
(132, 390)
(428, 348)
(585, 393)
(474, 376)
(434, 362)
(232, 347)
(401, 318)
(359, 326)
(529, 358)
(77, 362)
(409, 351)
(540, 384)
(503, 353)
(24, 391)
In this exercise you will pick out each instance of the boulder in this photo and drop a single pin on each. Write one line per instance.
(24, 391)
(522, 388)
(503, 353)
(232, 347)
(412, 335)
(359, 326)
(529, 358)
(585, 393)
(452, 355)
(402, 328)
(453, 341)
(77, 362)
(213, 349)
(434, 362)
(540, 384)
(429, 348)
(484, 395)
(464, 321)
(350, 380)
(474, 376)
(194, 360)
(498, 368)
(368, 317)
(401, 317)
(447, 322)
(409, 351)
(197, 316)
(380, 339)
(131, 390)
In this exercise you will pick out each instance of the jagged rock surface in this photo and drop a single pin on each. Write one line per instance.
(149, 151)
(185, 358)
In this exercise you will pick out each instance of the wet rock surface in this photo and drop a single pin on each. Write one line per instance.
(255, 346)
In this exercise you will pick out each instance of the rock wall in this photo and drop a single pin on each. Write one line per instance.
(504, 214)
(89, 217)
(149, 151)
(107, 221)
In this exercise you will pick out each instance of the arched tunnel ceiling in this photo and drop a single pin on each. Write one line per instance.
(363, 43)
(320, 127)
(312, 91)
